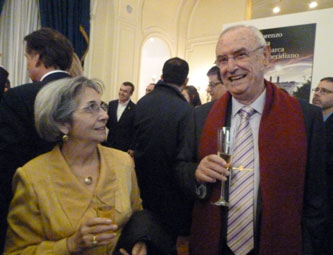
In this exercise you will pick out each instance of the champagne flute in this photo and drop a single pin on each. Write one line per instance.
(104, 211)
(224, 151)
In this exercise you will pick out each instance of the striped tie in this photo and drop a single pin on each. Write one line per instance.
(240, 215)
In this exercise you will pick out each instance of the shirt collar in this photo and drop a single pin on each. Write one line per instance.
(326, 116)
(55, 71)
(257, 105)
(124, 104)
(175, 86)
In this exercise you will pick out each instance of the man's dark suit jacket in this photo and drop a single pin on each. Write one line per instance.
(329, 170)
(121, 133)
(19, 141)
(188, 160)
(188, 157)
(3, 79)
(160, 123)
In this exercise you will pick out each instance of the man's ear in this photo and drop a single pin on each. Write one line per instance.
(182, 87)
(36, 59)
(185, 82)
(267, 55)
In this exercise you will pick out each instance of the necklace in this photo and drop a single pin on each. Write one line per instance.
(88, 180)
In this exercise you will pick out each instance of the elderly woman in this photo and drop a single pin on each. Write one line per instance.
(60, 196)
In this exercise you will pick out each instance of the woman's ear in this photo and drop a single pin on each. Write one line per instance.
(64, 128)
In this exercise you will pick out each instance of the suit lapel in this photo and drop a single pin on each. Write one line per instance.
(78, 202)
(113, 106)
(108, 187)
(64, 181)
(126, 112)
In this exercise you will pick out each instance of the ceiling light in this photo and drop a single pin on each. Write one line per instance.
(313, 4)
(276, 9)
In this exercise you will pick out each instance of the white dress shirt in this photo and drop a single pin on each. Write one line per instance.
(121, 108)
(55, 71)
(254, 120)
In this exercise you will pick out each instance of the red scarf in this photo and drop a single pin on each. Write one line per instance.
(282, 160)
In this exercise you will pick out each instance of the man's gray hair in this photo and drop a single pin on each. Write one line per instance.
(56, 102)
(260, 37)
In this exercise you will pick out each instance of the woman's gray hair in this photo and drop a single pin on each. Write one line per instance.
(56, 102)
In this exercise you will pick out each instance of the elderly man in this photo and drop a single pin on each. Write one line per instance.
(49, 54)
(323, 97)
(277, 191)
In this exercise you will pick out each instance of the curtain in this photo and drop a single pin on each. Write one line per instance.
(71, 18)
(17, 19)
(1, 5)
(88, 63)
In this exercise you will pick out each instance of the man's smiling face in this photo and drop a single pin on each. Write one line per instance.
(242, 61)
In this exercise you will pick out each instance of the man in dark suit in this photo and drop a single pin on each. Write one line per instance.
(323, 97)
(160, 124)
(215, 88)
(3, 80)
(121, 120)
(49, 55)
(284, 202)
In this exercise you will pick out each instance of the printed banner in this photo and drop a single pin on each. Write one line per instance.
(292, 51)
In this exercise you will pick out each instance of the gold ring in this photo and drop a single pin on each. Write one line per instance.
(94, 241)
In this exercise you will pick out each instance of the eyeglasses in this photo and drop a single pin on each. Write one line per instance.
(94, 108)
(322, 91)
(238, 57)
(212, 85)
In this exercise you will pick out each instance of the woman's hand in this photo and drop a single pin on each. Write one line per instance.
(139, 248)
(93, 232)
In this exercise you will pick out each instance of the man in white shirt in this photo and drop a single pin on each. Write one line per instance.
(121, 120)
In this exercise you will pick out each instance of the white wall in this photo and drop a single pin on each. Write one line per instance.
(202, 33)
(153, 55)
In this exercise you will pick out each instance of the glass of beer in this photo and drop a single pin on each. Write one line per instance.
(224, 151)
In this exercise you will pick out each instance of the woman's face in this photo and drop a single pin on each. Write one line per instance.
(186, 95)
(89, 120)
